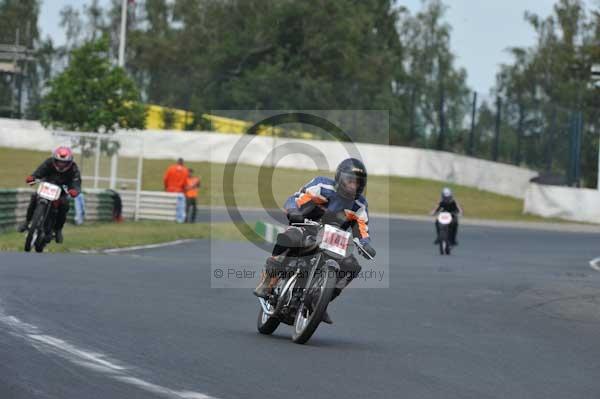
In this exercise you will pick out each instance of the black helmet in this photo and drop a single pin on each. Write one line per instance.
(349, 170)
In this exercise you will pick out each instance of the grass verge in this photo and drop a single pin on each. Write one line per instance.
(119, 235)
(385, 194)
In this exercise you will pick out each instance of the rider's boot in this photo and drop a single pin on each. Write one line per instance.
(58, 236)
(453, 234)
(326, 318)
(264, 287)
(268, 278)
(23, 227)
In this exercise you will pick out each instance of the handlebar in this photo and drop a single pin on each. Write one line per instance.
(362, 249)
(307, 222)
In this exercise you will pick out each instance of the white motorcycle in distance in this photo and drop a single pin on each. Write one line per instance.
(444, 220)
(42, 222)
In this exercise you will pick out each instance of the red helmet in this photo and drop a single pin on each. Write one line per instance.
(62, 158)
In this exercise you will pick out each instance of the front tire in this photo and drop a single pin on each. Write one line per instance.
(36, 229)
(39, 245)
(266, 324)
(306, 322)
(444, 247)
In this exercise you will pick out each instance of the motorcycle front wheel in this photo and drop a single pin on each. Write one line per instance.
(310, 314)
(266, 324)
(36, 229)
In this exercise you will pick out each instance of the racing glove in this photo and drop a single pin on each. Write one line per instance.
(73, 193)
(29, 179)
(295, 215)
(367, 250)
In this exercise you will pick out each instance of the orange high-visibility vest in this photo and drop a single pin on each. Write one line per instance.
(175, 178)
(191, 187)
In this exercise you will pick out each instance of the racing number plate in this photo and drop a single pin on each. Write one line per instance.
(445, 218)
(49, 191)
(335, 240)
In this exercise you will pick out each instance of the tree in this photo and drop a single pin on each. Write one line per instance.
(92, 95)
(203, 55)
(18, 20)
(439, 97)
(547, 84)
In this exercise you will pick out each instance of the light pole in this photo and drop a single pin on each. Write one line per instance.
(595, 73)
(123, 33)
(114, 159)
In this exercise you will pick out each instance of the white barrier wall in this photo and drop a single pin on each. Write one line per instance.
(577, 204)
(380, 160)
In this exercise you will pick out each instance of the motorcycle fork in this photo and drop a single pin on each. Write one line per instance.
(50, 219)
(305, 292)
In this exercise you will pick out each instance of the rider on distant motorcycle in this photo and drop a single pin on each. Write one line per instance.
(450, 205)
(59, 169)
(342, 196)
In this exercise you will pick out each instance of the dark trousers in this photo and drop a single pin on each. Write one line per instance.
(190, 210)
(61, 214)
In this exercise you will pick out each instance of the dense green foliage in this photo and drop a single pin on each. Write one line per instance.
(91, 95)
(205, 55)
(548, 82)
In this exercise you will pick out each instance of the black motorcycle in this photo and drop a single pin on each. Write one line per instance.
(41, 228)
(444, 220)
(301, 298)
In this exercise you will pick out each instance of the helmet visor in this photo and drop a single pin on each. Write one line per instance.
(351, 184)
(61, 166)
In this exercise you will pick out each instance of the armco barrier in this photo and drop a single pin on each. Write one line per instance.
(576, 204)
(153, 205)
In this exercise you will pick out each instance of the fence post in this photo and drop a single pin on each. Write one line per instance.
(138, 186)
(574, 150)
(496, 145)
(471, 146)
(577, 149)
(413, 95)
(550, 141)
(97, 162)
(114, 161)
(441, 137)
(519, 133)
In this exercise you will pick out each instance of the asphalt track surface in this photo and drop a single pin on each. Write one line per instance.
(511, 314)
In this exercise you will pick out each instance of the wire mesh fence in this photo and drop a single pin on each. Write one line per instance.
(548, 138)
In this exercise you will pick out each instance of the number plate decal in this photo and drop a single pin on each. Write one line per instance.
(335, 240)
(49, 191)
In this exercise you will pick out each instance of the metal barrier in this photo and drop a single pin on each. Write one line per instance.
(99, 204)
(153, 205)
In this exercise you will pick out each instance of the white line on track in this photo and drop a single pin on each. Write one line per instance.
(595, 264)
(137, 247)
(91, 360)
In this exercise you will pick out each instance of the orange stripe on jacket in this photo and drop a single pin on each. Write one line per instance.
(363, 228)
(307, 197)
